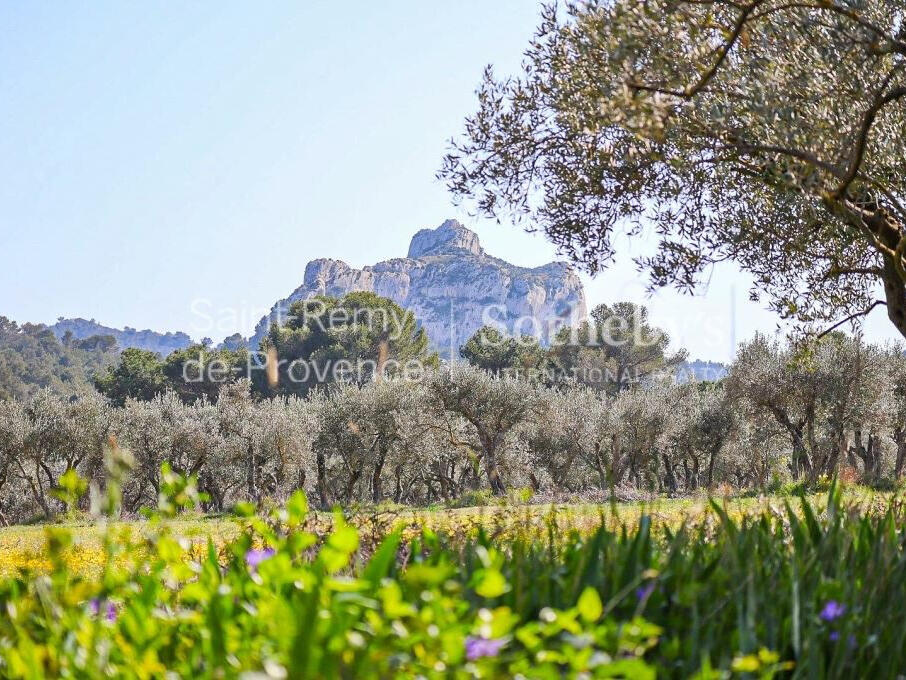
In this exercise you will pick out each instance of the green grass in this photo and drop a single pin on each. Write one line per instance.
(678, 588)
(25, 547)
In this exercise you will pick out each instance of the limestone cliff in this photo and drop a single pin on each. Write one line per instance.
(453, 287)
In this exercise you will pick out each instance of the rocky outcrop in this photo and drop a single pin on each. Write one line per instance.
(453, 287)
(450, 237)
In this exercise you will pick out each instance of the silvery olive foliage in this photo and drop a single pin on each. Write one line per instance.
(895, 408)
(575, 439)
(763, 131)
(780, 416)
(360, 433)
(834, 404)
(490, 409)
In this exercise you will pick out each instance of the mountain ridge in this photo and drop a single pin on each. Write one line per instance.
(126, 337)
(450, 283)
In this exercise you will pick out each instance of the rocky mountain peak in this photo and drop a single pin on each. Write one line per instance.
(453, 287)
(449, 238)
(318, 272)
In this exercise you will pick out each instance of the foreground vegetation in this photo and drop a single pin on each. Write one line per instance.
(753, 589)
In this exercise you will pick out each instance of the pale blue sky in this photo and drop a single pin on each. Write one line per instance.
(155, 154)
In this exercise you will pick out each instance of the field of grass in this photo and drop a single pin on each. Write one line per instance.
(25, 547)
(748, 588)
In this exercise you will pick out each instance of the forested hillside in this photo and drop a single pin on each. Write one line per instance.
(32, 358)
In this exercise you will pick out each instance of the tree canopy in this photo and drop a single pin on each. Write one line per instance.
(138, 375)
(32, 358)
(353, 338)
(201, 371)
(196, 372)
(762, 131)
(616, 349)
(498, 353)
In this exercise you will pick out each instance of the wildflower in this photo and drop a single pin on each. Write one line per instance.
(109, 610)
(644, 592)
(832, 610)
(253, 558)
(850, 639)
(477, 647)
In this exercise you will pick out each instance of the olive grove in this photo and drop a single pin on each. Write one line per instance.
(779, 417)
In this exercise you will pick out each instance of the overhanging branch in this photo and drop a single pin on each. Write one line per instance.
(851, 317)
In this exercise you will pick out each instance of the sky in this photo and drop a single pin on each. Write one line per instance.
(174, 166)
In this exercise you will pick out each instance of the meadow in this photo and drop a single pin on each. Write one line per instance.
(752, 587)
(25, 547)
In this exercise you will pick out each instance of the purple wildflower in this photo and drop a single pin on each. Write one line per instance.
(109, 610)
(254, 558)
(850, 639)
(644, 592)
(832, 610)
(477, 647)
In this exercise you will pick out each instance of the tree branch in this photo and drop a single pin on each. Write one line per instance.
(851, 317)
(862, 140)
(691, 90)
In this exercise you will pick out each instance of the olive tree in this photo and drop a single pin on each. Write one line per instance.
(851, 385)
(48, 435)
(763, 131)
(577, 441)
(705, 421)
(493, 407)
(643, 452)
(756, 454)
(166, 430)
(287, 428)
(438, 458)
(896, 405)
(238, 448)
(359, 428)
(766, 378)
(14, 429)
(831, 400)
(267, 440)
